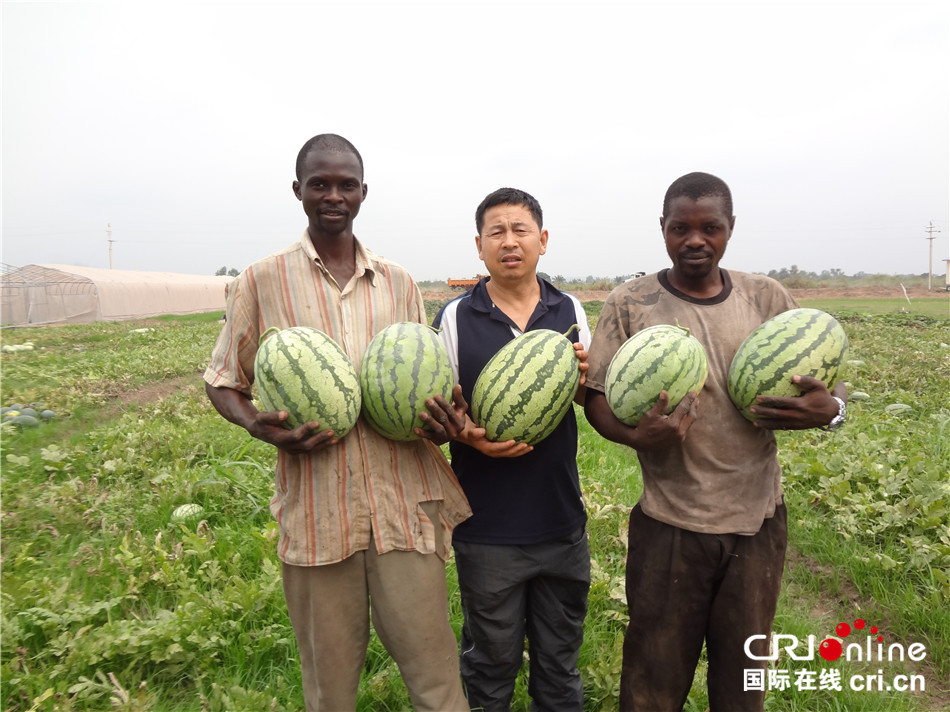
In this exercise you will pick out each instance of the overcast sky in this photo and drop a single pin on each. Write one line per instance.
(179, 125)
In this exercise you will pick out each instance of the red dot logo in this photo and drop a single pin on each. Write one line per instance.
(842, 629)
(830, 649)
(859, 623)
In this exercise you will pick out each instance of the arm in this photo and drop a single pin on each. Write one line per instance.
(237, 408)
(814, 408)
(654, 431)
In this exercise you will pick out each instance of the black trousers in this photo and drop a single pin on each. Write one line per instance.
(684, 588)
(512, 592)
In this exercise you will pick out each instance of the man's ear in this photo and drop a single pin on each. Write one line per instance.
(296, 187)
(478, 246)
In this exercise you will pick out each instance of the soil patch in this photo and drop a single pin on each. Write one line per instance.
(157, 391)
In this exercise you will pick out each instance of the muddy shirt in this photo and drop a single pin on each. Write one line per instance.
(725, 477)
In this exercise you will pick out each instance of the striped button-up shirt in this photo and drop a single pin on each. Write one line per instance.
(327, 502)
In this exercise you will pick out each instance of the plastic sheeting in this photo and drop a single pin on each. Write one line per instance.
(64, 294)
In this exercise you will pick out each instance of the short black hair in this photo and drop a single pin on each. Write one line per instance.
(327, 142)
(695, 186)
(507, 196)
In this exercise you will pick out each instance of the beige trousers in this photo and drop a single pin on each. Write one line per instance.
(330, 607)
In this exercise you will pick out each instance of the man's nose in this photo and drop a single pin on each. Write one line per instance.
(695, 238)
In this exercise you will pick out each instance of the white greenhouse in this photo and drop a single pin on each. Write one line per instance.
(65, 294)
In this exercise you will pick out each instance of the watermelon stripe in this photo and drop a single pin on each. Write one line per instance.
(657, 358)
(526, 389)
(501, 413)
(799, 341)
(304, 372)
(404, 365)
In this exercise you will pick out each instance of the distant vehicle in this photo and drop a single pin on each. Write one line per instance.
(464, 283)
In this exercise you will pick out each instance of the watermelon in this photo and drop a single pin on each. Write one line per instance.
(404, 364)
(804, 342)
(185, 512)
(658, 358)
(303, 371)
(526, 388)
(23, 421)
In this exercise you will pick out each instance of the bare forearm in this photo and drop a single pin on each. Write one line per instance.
(605, 422)
(232, 405)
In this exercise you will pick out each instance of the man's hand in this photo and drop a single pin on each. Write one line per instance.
(657, 431)
(812, 409)
(269, 427)
(582, 366)
(654, 431)
(446, 422)
(443, 422)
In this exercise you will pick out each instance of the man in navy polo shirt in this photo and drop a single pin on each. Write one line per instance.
(523, 559)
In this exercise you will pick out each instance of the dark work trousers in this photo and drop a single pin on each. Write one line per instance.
(684, 588)
(509, 592)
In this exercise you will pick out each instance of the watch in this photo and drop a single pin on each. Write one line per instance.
(839, 419)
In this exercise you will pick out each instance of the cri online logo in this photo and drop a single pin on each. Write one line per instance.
(831, 648)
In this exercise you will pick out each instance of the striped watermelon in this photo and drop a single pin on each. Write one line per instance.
(658, 358)
(526, 388)
(404, 364)
(804, 342)
(305, 372)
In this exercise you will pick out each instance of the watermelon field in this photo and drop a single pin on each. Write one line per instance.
(112, 602)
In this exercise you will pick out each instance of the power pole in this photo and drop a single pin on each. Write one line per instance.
(110, 240)
(930, 270)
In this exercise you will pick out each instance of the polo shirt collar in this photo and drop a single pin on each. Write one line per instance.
(550, 296)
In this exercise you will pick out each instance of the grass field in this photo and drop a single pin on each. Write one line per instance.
(936, 307)
(107, 603)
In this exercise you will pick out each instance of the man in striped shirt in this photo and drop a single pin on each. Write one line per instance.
(361, 518)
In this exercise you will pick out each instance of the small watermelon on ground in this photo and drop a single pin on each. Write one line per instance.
(187, 511)
(404, 364)
(24, 421)
(658, 358)
(47, 415)
(303, 371)
(526, 388)
(804, 342)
